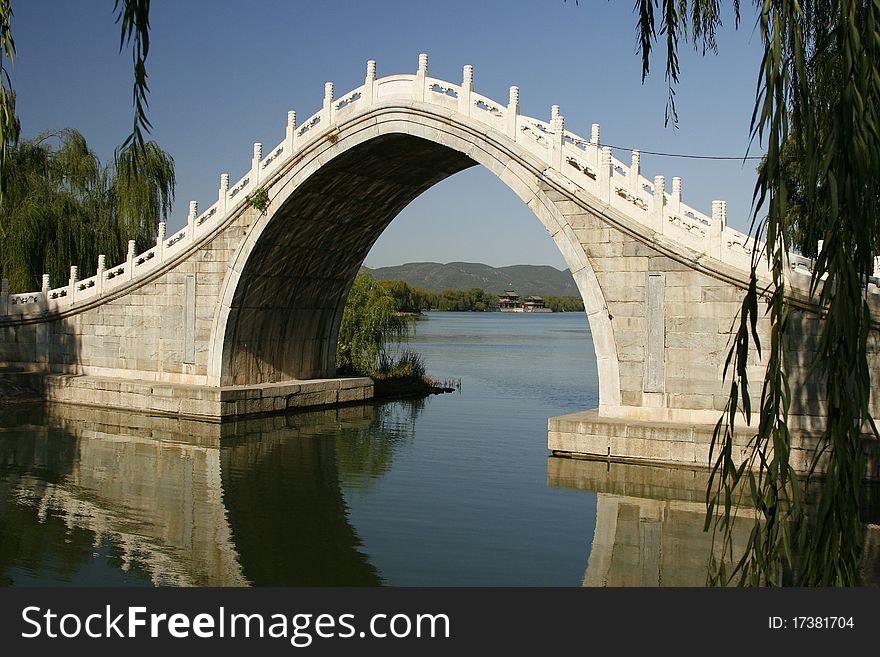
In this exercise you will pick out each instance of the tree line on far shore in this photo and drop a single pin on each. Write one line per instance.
(410, 299)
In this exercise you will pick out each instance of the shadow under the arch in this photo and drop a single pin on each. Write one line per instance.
(289, 297)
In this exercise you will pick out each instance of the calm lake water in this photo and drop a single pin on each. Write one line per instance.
(456, 489)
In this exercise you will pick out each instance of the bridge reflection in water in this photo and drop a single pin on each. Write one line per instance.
(178, 502)
(91, 496)
(649, 523)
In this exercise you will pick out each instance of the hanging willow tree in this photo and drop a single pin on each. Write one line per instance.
(370, 322)
(61, 207)
(817, 107)
(9, 127)
(133, 18)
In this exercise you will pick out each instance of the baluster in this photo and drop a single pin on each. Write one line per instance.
(129, 260)
(290, 134)
(557, 142)
(716, 229)
(45, 291)
(99, 276)
(594, 157)
(676, 197)
(467, 87)
(327, 109)
(160, 241)
(191, 221)
(420, 83)
(370, 82)
(512, 112)
(635, 184)
(659, 209)
(223, 193)
(255, 164)
(71, 283)
(606, 173)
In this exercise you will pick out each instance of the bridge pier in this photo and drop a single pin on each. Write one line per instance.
(197, 402)
(588, 434)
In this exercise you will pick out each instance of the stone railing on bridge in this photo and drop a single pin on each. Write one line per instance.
(571, 160)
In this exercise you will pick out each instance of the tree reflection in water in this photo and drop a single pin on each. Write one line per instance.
(282, 492)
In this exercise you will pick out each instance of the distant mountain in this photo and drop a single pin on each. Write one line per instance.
(524, 279)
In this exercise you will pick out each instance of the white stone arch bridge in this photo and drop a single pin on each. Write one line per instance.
(237, 313)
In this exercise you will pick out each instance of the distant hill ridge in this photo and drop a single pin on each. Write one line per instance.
(543, 280)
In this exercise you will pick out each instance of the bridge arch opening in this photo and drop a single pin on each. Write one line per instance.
(282, 302)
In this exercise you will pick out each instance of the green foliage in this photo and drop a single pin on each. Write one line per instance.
(142, 188)
(369, 323)
(801, 233)
(410, 299)
(473, 299)
(62, 207)
(697, 20)
(802, 230)
(133, 18)
(259, 199)
(371, 449)
(816, 111)
(9, 126)
(564, 304)
(409, 365)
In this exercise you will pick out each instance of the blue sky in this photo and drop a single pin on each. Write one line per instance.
(224, 74)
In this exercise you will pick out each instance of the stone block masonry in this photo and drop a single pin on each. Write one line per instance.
(207, 403)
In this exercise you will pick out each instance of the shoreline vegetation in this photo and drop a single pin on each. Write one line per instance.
(374, 319)
(381, 313)
(410, 300)
(406, 377)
